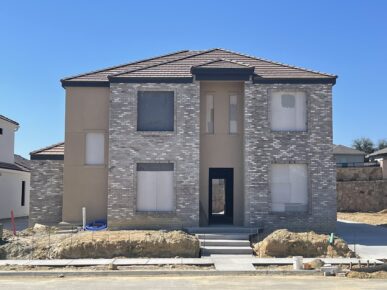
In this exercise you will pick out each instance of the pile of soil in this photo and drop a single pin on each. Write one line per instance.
(283, 243)
(43, 243)
(132, 244)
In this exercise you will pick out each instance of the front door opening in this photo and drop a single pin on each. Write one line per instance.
(220, 189)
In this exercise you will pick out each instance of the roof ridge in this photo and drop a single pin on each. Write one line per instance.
(279, 63)
(48, 147)
(162, 63)
(121, 65)
(223, 59)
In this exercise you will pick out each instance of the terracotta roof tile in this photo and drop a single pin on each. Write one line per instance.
(178, 65)
(55, 149)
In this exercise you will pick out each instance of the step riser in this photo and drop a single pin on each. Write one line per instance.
(222, 243)
(207, 252)
(202, 236)
(222, 230)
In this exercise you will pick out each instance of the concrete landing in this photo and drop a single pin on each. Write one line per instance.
(233, 263)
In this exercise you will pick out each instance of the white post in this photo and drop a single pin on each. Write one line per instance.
(84, 218)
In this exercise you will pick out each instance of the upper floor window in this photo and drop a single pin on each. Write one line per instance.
(1, 131)
(209, 114)
(95, 149)
(288, 111)
(155, 111)
(233, 114)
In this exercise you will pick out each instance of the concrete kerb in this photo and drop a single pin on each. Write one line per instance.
(120, 273)
(179, 261)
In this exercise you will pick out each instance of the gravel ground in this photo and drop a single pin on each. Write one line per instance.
(372, 218)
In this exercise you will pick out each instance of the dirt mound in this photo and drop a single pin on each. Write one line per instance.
(106, 244)
(128, 244)
(283, 243)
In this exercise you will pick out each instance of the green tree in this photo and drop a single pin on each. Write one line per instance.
(382, 144)
(363, 144)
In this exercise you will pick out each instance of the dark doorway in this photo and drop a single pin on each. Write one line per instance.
(220, 191)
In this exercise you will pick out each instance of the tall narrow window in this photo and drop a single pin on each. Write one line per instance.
(210, 114)
(155, 187)
(23, 193)
(289, 187)
(233, 114)
(95, 148)
(1, 131)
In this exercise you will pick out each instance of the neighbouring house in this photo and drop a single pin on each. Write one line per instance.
(381, 157)
(347, 156)
(14, 173)
(193, 138)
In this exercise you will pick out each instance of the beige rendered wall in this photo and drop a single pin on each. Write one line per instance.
(87, 110)
(221, 149)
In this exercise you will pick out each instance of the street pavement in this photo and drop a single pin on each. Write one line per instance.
(213, 283)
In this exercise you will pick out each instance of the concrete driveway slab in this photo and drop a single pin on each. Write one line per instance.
(368, 241)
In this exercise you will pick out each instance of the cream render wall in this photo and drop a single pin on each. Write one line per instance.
(222, 149)
(87, 110)
(7, 141)
(11, 192)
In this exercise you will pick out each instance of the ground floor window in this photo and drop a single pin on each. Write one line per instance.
(23, 193)
(155, 187)
(289, 187)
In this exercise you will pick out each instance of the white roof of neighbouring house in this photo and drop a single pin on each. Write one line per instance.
(344, 150)
(379, 153)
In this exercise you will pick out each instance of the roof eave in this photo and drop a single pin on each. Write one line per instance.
(66, 83)
(327, 80)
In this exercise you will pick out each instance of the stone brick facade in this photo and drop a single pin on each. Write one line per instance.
(262, 147)
(359, 173)
(127, 147)
(364, 196)
(312, 147)
(46, 192)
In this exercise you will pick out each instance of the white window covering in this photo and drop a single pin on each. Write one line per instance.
(210, 114)
(233, 114)
(288, 111)
(289, 187)
(155, 191)
(95, 148)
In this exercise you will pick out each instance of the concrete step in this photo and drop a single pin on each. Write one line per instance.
(222, 230)
(227, 243)
(224, 250)
(223, 236)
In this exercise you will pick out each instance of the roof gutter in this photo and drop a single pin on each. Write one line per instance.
(260, 80)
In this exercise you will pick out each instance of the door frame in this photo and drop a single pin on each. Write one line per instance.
(228, 175)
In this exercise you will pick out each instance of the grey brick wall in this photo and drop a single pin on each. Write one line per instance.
(46, 192)
(313, 147)
(262, 147)
(128, 147)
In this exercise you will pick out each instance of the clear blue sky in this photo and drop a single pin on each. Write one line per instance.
(43, 41)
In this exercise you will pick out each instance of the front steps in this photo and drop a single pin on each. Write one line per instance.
(224, 240)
